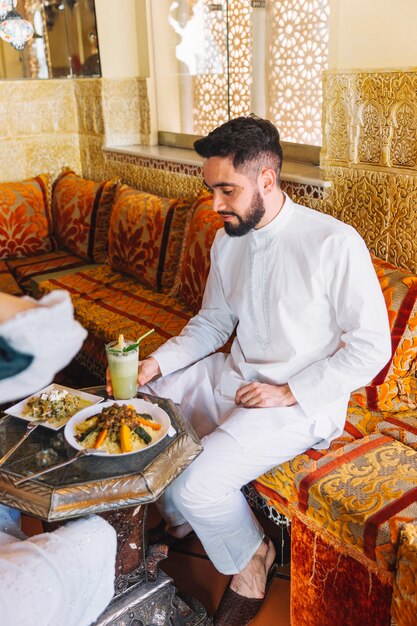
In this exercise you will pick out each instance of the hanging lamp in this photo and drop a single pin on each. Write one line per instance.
(13, 28)
(5, 7)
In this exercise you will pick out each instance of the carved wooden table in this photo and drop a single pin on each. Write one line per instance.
(118, 489)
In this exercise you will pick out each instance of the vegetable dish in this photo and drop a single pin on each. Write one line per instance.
(117, 429)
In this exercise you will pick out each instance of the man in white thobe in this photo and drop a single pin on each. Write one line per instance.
(299, 289)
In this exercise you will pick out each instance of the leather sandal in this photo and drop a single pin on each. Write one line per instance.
(159, 534)
(237, 610)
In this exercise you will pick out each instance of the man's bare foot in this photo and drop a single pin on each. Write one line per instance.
(180, 531)
(251, 581)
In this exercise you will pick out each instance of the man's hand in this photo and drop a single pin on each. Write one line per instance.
(262, 395)
(147, 370)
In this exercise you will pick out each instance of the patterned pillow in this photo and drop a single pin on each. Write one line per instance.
(394, 389)
(146, 234)
(195, 257)
(81, 210)
(25, 217)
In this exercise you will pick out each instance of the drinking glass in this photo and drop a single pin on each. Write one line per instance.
(123, 366)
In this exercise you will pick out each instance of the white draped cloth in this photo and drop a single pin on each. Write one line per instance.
(61, 578)
(50, 333)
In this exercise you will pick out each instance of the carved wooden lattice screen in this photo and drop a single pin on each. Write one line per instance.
(294, 47)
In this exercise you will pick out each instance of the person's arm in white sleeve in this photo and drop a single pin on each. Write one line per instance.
(45, 329)
(62, 577)
(361, 313)
(205, 332)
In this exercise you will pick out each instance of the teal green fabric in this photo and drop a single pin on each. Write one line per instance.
(12, 362)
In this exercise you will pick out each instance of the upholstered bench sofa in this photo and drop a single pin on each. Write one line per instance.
(353, 508)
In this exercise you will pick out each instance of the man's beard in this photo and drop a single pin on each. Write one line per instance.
(245, 224)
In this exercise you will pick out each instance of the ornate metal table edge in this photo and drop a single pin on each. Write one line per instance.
(154, 604)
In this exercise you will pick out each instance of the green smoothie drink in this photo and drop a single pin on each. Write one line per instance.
(123, 357)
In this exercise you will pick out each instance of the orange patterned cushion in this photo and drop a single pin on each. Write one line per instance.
(394, 388)
(363, 493)
(108, 303)
(404, 597)
(7, 282)
(195, 263)
(24, 269)
(145, 236)
(25, 217)
(81, 210)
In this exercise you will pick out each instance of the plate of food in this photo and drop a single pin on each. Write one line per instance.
(118, 428)
(54, 405)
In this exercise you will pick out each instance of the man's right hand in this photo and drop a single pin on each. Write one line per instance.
(147, 370)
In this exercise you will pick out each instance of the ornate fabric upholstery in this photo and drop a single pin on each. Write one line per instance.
(8, 283)
(24, 269)
(394, 388)
(195, 256)
(108, 303)
(146, 235)
(363, 493)
(330, 585)
(25, 217)
(404, 600)
(81, 212)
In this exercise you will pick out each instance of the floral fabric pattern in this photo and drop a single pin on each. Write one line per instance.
(394, 388)
(195, 262)
(81, 211)
(146, 233)
(25, 217)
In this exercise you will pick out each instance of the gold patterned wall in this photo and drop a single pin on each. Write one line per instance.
(48, 124)
(38, 128)
(370, 156)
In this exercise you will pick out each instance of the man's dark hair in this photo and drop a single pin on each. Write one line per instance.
(249, 141)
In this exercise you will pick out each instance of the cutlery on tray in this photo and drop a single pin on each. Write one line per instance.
(29, 429)
(80, 453)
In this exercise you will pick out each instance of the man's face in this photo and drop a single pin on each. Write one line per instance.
(235, 197)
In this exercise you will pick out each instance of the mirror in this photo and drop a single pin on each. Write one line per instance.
(65, 43)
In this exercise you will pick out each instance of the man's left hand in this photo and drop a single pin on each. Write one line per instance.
(262, 395)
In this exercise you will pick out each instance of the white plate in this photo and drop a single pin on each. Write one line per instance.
(141, 406)
(17, 409)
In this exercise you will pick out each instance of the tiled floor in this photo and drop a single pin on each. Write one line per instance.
(194, 574)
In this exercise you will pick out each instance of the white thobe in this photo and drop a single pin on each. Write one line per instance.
(65, 577)
(308, 310)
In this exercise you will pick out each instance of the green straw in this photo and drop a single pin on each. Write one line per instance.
(133, 346)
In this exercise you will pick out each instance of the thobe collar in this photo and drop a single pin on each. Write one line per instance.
(279, 220)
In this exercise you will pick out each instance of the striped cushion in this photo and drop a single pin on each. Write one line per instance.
(363, 493)
(81, 211)
(195, 257)
(108, 303)
(25, 217)
(25, 269)
(146, 234)
(394, 388)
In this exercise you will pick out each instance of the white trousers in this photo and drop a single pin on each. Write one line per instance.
(208, 493)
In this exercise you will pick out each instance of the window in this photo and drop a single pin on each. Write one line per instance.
(217, 60)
